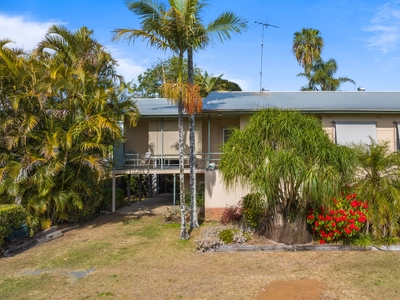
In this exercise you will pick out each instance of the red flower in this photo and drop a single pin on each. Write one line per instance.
(321, 217)
(310, 217)
(333, 224)
(362, 219)
(322, 242)
(365, 205)
(348, 231)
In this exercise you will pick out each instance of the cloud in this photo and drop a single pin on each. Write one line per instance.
(24, 33)
(128, 66)
(385, 28)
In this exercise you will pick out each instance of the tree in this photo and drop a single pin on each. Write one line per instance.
(320, 77)
(165, 30)
(378, 183)
(226, 85)
(287, 158)
(150, 82)
(59, 119)
(307, 47)
(199, 37)
(178, 29)
(208, 83)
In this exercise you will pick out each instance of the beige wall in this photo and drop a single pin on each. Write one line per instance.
(148, 136)
(217, 195)
(385, 129)
(217, 125)
(137, 137)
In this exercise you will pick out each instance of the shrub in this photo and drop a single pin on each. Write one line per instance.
(231, 215)
(226, 235)
(340, 222)
(11, 216)
(253, 207)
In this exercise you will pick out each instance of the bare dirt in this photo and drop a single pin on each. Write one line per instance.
(305, 289)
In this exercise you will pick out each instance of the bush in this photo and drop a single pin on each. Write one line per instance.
(342, 221)
(226, 236)
(231, 215)
(253, 207)
(11, 216)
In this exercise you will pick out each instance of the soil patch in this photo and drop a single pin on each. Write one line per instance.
(306, 289)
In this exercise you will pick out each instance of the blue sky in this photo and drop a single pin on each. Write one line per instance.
(363, 36)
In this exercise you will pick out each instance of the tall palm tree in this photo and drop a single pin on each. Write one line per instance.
(307, 47)
(320, 76)
(221, 29)
(166, 30)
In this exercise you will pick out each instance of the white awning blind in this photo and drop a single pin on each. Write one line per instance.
(355, 132)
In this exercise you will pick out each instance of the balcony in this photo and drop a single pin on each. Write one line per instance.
(156, 162)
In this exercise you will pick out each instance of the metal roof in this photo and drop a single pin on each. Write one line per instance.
(322, 102)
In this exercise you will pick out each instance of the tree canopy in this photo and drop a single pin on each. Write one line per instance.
(286, 157)
(320, 77)
(307, 47)
(60, 111)
(149, 84)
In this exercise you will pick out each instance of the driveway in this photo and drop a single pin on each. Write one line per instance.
(155, 205)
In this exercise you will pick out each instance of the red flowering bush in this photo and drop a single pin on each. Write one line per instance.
(340, 222)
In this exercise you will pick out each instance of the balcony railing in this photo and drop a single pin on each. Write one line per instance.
(207, 161)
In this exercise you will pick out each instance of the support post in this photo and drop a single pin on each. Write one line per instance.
(128, 186)
(140, 187)
(113, 192)
(208, 140)
(174, 192)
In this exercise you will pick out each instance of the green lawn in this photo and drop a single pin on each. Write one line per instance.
(121, 257)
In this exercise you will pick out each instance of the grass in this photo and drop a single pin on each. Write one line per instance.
(121, 257)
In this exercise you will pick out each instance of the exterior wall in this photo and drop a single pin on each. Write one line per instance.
(149, 136)
(216, 127)
(217, 196)
(385, 129)
(137, 137)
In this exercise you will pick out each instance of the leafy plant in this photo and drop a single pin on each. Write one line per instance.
(253, 207)
(231, 215)
(379, 183)
(11, 216)
(342, 221)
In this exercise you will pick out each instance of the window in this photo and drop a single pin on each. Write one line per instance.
(226, 132)
(354, 132)
(397, 136)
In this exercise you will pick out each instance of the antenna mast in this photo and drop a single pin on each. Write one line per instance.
(262, 47)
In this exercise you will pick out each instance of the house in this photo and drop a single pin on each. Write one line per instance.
(151, 148)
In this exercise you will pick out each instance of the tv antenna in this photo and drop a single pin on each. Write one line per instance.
(262, 48)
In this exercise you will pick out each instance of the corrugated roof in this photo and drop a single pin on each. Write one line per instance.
(302, 101)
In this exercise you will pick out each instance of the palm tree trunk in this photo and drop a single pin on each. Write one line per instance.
(194, 223)
(184, 233)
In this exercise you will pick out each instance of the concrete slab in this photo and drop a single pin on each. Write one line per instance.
(156, 205)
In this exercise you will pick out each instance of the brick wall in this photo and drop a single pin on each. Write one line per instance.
(213, 214)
